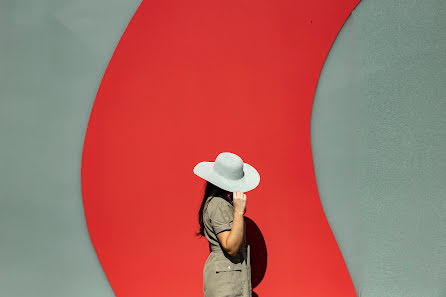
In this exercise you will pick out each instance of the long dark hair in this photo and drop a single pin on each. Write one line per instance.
(210, 190)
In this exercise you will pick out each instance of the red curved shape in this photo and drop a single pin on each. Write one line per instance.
(190, 79)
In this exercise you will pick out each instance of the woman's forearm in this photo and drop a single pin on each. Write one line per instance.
(235, 237)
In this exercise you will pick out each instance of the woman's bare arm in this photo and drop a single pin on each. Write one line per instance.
(232, 240)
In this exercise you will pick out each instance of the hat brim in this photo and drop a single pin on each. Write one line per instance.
(248, 182)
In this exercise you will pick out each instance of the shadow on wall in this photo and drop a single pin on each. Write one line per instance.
(259, 255)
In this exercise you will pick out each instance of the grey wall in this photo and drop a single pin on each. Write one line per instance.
(52, 57)
(378, 135)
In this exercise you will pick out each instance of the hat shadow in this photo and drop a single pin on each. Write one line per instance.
(259, 254)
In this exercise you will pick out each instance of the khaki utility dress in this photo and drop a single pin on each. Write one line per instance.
(224, 275)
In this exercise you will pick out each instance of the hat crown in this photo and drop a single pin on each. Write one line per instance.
(229, 165)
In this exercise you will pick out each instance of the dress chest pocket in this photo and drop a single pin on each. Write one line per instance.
(229, 278)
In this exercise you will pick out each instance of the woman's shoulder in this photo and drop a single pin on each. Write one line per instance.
(217, 201)
(219, 209)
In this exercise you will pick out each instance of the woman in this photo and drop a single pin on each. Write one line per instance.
(227, 270)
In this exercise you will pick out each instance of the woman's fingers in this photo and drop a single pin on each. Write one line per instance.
(239, 195)
(239, 200)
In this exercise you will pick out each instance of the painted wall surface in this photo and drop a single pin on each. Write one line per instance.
(379, 141)
(377, 129)
(52, 57)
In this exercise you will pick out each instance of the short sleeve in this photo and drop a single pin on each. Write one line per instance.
(221, 216)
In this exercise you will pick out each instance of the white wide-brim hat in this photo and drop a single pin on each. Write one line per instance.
(229, 173)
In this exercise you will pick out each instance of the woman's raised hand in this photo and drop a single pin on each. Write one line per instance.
(239, 202)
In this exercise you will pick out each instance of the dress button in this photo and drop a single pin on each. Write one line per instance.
(229, 267)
